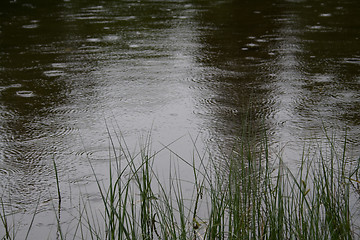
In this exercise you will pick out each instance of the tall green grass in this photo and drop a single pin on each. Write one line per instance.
(250, 194)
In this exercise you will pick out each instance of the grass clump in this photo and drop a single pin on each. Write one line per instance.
(247, 195)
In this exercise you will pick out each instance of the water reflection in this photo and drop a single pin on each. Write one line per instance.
(176, 67)
(235, 53)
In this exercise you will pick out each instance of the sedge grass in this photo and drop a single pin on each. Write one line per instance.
(249, 195)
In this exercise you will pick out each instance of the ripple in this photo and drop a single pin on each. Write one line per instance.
(353, 60)
(58, 65)
(208, 101)
(6, 170)
(67, 110)
(16, 85)
(54, 73)
(93, 40)
(111, 38)
(271, 37)
(134, 46)
(315, 27)
(95, 9)
(204, 112)
(125, 18)
(318, 28)
(252, 45)
(84, 17)
(198, 86)
(25, 94)
(6, 114)
(98, 154)
(30, 26)
(260, 40)
(62, 131)
(319, 78)
(325, 15)
(88, 49)
(13, 163)
(180, 17)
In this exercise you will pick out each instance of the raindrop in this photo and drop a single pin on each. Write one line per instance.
(53, 73)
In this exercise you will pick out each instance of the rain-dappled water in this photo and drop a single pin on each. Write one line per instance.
(71, 69)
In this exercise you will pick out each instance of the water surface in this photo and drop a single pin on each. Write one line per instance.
(70, 69)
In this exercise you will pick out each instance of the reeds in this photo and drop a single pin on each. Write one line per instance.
(247, 195)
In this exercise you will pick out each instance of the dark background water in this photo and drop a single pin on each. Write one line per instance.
(177, 68)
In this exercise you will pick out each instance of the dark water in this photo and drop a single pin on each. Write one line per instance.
(177, 68)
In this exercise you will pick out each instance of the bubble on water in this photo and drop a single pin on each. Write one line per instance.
(252, 58)
(25, 94)
(53, 73)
